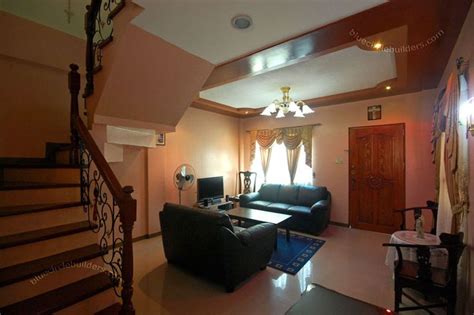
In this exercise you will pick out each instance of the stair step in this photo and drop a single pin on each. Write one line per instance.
(33, 185)
(62, 297)
(29, 269)
(42, 175)
(53, 194)
(33, 163)
(113, 309)
(18, 210)
(44, 234)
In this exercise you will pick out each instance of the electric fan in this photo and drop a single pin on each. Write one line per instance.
(183, 178)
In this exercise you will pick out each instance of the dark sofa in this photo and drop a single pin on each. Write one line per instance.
(204, 241)
(309, 205)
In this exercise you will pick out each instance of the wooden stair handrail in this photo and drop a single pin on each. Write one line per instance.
(123, 196)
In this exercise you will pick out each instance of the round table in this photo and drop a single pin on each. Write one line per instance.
(438, 256)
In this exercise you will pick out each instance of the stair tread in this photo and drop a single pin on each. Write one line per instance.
(20, 272)
(111, 310)
(23, 209)
(44, 234)
(34, 185)
(62, 297)
(33, 163)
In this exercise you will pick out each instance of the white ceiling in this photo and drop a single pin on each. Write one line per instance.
(346, 70)
(203, 28)
(51, 13)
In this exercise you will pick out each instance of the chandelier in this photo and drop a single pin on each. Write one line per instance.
(286, 105)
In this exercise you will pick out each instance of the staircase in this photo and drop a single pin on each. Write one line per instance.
(65, 228)
(43, 231)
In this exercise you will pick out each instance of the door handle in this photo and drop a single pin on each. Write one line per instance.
(353, 182)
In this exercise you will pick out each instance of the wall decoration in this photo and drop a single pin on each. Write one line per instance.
(374, 112)
(161, 138)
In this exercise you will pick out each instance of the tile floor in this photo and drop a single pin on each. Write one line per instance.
(351, 262)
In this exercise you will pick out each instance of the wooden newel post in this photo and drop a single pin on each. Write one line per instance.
(74, 87)
(128, 216)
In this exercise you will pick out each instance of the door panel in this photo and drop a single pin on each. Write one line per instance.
(376, 176)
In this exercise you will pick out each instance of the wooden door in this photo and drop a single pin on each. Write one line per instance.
(376, 177)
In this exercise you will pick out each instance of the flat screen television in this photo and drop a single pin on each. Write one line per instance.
(210, 188)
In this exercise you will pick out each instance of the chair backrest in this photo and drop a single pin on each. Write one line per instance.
(418, 211)
(455, 247)
(247, 182)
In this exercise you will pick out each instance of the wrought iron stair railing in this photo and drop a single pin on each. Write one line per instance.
(106, 203)
(99, 33)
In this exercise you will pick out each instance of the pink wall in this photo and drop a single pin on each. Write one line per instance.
(170, 79)
(34, 96)
(208, 142)
(331, 143)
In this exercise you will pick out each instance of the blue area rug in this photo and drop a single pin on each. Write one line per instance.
(291, 256)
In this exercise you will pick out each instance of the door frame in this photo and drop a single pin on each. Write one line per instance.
(352, 223)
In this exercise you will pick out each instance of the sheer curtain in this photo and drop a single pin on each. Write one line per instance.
(278, 168)
(292, 157)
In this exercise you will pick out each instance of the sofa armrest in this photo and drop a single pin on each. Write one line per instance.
(245, 199)
(257, 233)
(246, 252)
(321, 205)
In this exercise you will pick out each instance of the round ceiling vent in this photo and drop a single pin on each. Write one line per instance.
(241, 22)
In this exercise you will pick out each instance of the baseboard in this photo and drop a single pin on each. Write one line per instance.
(153, 235)
(339, 224)
(146, 236)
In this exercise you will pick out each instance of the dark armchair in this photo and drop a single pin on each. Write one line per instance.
(436, 284)
(204, 241)
(418, 211)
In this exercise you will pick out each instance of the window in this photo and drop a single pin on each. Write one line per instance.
(278, 169)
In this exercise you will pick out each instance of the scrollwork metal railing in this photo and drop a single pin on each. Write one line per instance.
(111, 210)
(103, 215)
(99, 32)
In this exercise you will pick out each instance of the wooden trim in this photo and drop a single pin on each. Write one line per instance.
(346, 225)
(146, 236)
(401, 23)
(153, 235)
(314, 125)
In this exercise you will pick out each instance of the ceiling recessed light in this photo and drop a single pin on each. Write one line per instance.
(388, 87)
(241, 22)
(377, 45)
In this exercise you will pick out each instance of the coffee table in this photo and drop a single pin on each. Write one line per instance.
(259, 216)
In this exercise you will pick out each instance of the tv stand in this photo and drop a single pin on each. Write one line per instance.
(216, 204)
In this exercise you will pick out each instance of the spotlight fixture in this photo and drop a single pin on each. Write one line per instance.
(377, 45)
(286, 105)
(241, 22)
(388, 87)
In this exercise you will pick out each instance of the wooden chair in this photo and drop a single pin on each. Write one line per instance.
(247, 182)
(436, 284)
(417, 212)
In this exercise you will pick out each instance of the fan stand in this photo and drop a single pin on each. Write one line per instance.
(179, 194)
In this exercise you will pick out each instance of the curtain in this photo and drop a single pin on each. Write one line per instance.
(450, 155)
(455, 154)
(265, 155)
(292, 137)
(292, 156)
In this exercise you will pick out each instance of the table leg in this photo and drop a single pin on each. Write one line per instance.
(239, 222)
(287, 234)
(276, 240)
